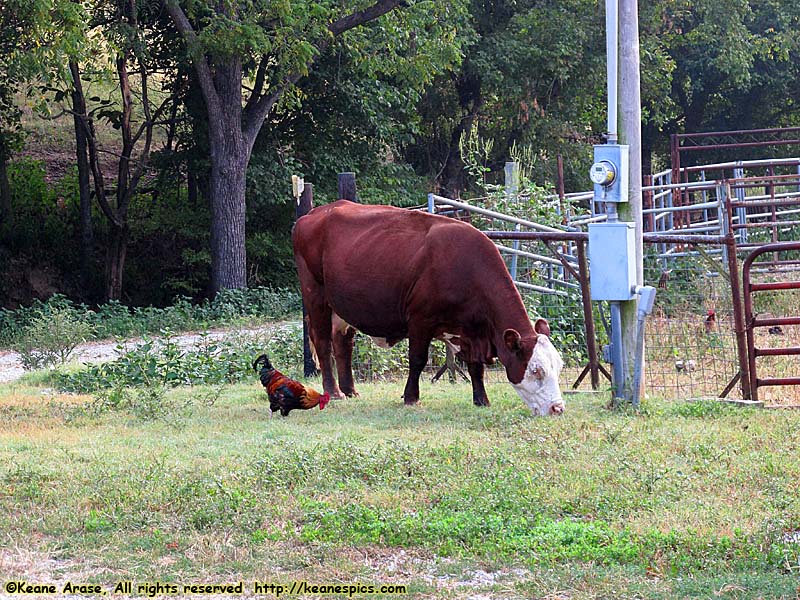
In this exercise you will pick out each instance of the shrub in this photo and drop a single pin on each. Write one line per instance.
(50, 339)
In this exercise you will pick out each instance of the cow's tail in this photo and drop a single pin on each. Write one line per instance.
(312, 346)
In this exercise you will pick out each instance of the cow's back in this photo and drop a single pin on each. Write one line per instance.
(377, 263)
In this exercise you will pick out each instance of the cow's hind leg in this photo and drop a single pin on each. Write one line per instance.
(479, 397)
(343, 339)
(417, 359)
(320, 328)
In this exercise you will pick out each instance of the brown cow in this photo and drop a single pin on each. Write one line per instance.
(394, 274)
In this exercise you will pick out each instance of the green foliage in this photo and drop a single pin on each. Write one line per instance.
(685, 283)
(476, 152)
(704, 409)
(43, 213)
(163, 362)
(392, 183)
(114, 319)
(348, 121)
(97, 522)
(706, 62)
(564, 314)
(32, 33)
(148, 402)
(532, 75)
(157, 363)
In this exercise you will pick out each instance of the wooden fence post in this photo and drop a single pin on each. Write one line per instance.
(305, 202)
(512, 195)
(347, 187)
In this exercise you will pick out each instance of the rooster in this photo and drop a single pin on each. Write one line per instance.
(710, 322)
(286, 394)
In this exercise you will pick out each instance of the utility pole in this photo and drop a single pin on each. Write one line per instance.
(630, 133)
(615, 246)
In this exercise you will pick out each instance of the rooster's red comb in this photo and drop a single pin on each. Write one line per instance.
(323, 400)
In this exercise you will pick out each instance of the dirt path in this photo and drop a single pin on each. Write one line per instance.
(106, 350)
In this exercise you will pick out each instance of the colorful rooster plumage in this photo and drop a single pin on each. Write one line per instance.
(286, 394)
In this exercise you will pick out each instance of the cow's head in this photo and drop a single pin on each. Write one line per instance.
(536, 380)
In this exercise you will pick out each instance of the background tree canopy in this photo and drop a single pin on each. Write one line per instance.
(194, 115)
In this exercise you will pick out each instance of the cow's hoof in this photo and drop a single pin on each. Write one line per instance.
(411, 402)
(481, 402)
(336, 394)
(351, 393)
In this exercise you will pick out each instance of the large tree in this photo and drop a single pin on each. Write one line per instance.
(532, 75)
(126, 31)
(248, 57)
(32, 32)
(711, 65)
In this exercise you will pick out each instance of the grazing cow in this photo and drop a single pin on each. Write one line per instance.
(392, 274)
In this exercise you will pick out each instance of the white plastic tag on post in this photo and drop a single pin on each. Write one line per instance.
(297, 187)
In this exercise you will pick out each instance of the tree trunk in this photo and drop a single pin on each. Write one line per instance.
(234, 127)
(227, 196)
(452, 180)
(230, 155)
(82, 156)
(191, 187)
(115, 261)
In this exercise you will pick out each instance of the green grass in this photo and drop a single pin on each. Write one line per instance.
(682, 501)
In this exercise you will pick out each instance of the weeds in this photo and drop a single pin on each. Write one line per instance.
(117, 320)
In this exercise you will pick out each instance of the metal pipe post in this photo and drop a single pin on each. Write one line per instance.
(739, 324)
(612, 52)
(617, 355)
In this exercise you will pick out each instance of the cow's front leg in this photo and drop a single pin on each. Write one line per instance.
(417, 359)
(343, 339)
(321, 338)
(479, 397)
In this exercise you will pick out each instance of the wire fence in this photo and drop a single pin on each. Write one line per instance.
(691, 346)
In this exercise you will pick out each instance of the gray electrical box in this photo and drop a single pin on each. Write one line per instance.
(609, 173)
(612, 261)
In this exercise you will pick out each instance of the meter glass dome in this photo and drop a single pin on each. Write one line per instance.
(602, 173)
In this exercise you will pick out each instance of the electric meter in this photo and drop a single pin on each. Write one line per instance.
(609, 173)
(603, 173)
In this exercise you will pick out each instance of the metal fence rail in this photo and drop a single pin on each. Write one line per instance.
(696, 231)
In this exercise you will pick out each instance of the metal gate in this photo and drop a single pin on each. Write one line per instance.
(752, 321)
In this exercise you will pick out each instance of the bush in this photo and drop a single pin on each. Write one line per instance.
(50, 339)
(163, 363)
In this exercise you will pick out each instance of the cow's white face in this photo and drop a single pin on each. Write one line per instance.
(539, 386)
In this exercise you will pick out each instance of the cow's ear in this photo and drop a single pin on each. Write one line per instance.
(542, 326)
(513, 340)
